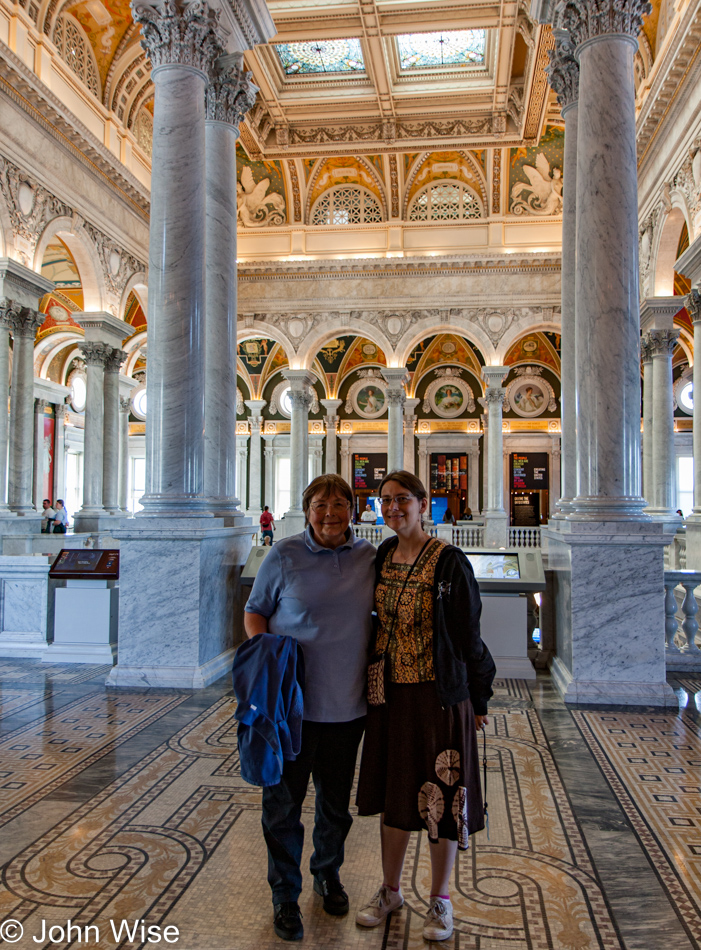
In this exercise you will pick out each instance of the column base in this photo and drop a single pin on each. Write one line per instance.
(496, 529)
(609, 612)
(181, 609)
(294, 522)
(13, 523)
(168, 506)
(600, 508)
(89, 522)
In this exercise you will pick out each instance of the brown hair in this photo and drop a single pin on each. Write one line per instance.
(412, 484)
(325, 485)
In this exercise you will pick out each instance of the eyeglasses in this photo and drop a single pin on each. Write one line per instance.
(400, 499)
(335, 506)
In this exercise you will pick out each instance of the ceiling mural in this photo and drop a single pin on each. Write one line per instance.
(308, 166)
(443, 349)
(539, 347)
(438, 165)
(105, 22)
(535, 175)
(58, 317)
(359, 352)
(260, 189)
(133, 313)
(340, 171)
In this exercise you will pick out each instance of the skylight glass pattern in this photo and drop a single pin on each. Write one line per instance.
(456, 48)
(321, 56)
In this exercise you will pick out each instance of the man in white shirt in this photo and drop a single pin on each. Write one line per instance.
(47, 516)
(368, 516)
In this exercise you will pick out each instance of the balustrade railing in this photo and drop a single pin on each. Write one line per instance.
(370, 532)
(524, 537)
(689, 580)
(468, 536)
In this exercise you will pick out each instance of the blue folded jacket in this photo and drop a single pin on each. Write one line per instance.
(268, 677)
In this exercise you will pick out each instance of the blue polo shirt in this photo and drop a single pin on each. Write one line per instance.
(324, 598)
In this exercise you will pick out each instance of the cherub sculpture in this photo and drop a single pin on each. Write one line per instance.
(544, 193)
(256, 208)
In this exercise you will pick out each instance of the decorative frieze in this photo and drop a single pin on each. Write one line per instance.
(31, 207)
(187, 36)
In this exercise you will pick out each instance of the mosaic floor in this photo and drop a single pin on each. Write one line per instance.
(124, 810)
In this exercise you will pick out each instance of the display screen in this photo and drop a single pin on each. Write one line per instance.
(369, 470)
(80, 563)
(529, 471)
(497, 566)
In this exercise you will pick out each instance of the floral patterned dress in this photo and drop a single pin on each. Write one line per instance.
(420, 763)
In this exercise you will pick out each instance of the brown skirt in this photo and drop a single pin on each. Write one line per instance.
(420, 765)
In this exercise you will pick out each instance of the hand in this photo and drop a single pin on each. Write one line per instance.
(481, 722)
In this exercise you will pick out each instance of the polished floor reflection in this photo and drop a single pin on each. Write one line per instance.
(124, 810)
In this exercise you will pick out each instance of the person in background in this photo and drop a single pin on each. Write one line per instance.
(47, 516)
(448, 517)
(267, 525)
(467, 515)
(680, 512)
(318, 588)
(61, 518)
(368, 516)
(429, 682)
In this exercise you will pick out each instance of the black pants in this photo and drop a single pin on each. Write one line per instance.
(329, 751)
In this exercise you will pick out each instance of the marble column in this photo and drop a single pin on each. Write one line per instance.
(110, 438)
(124, 410)
(5, 305)
(331, 422)
(609, 646)
(24, 323)
(59, 485)
(473, 476)
(346, 472)
(410, 420)
(563, 74)
(269, 472)
(39, 406)
(300, 380)
(606, 286)
(182, 43)
(495, 517)
(242, 474)
(648, 487)
(255, 456)
(693, 522)
(229, 96)
(662, 343)
(484, 419)
(424, 462)
(396, 397)
(96, 355)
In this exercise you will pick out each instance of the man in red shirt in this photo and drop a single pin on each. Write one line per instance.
(267, 524)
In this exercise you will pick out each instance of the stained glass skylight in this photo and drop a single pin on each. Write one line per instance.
(321, 56)
(456, 48)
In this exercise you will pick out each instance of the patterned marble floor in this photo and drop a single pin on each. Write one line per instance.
(123, 808)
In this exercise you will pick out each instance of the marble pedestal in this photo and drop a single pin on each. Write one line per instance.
(23, 621)
(693, 542)
(97, 523)
(180, 610)
(609, 612)
(496, 530)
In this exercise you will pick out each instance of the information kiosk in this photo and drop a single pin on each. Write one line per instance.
(86, 607)
(505, 578)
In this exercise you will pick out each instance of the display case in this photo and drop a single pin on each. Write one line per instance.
(513, 571)
(81, 564)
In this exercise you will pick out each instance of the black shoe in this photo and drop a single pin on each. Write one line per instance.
(287, 922)
(335, 897)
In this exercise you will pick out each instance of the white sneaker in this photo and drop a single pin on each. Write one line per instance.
(383, 903)
(438, 923)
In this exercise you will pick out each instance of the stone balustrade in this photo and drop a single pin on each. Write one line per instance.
(524, 537)
(685, 656)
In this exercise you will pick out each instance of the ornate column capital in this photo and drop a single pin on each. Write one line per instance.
(589, 19)
(180, 36)
(114, 360)
(23, 322)
(41, 404)
(125, 404)
(96, 354)
(693, 306)
(646, 349)
(301, 399)
(230, 95)
(494, 397)
(563, 71)
(331, 423)
(396, 398)
(662, 343)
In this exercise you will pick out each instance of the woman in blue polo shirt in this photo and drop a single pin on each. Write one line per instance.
(317, 587)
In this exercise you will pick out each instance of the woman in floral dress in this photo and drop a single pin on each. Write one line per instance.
(429, 683)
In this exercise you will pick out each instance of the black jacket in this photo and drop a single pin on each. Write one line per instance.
(463, 665)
